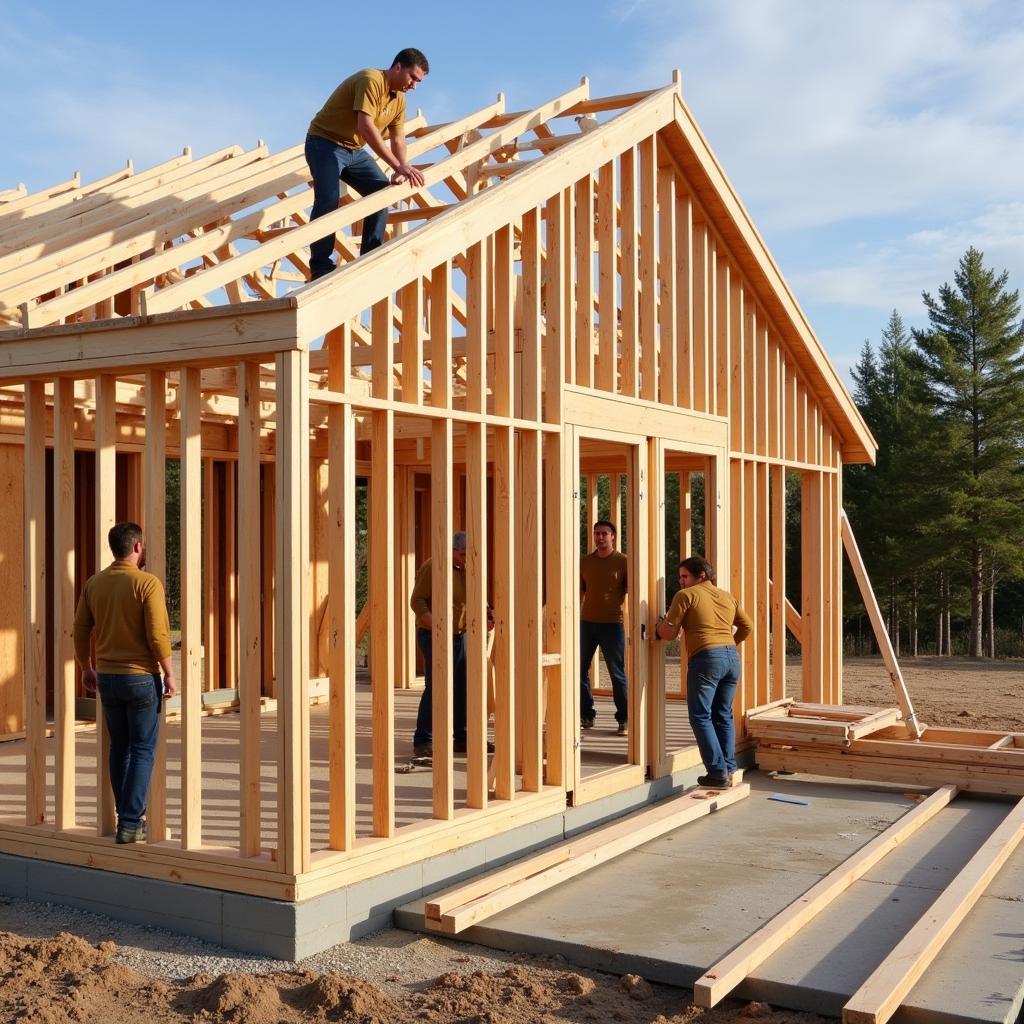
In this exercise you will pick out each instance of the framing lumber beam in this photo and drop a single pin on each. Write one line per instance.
(721, 978)
(881, 633)
(191, 609)
(341, 589)
(106, 498)
(482, 898)
(35, 604)
(154, 518)
(323, 304)
(292, 611)
(180, 294)
(880, 996)
(64, 671)
(249, 632)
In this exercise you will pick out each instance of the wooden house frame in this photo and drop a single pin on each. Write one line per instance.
(576, 292)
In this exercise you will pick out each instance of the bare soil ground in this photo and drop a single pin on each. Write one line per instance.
(960, 692)
(67, 979)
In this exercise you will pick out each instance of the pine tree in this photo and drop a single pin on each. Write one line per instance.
(886, 503)
(972, 360)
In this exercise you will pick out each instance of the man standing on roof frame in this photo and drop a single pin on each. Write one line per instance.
(366, 104)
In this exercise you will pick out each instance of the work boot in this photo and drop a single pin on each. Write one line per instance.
(715, 781)
(131, 835)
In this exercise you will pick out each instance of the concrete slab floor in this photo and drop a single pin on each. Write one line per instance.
(673, 907)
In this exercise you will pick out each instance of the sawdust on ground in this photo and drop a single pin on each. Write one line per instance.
(67, 980)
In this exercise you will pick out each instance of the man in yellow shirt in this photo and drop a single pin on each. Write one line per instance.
(366, 104)
(708, 616)
(604, 585)
(123, 609)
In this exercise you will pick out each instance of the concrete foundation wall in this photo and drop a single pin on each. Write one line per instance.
(291, 931)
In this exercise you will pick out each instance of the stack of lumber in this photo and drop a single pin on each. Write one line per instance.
(875, 745)
(832, 724)
(457, 909)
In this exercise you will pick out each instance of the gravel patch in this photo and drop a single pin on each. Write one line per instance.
(391, 958)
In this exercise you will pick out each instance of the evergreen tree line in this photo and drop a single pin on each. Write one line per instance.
(940, 518)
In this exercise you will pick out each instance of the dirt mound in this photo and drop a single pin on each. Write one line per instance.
(511, 996)
(338, 997)
(66, 980)
(238, 999)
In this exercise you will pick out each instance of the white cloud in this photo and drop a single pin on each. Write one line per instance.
(893, 275)
(829, 111)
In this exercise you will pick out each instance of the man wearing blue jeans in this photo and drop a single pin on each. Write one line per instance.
(603, 584)
(124, 610)
(367, 103)
(422, 740)
(713, 623)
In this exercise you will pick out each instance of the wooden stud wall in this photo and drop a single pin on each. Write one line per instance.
(617, 279)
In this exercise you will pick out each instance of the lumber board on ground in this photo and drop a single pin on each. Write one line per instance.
(594, 848)
(848, 764)
(881, 995)
(722, 977)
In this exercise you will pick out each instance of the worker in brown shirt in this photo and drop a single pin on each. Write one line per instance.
(123, 609)
(714, 623)
(422, 741)
(367, 103)
(603, 584)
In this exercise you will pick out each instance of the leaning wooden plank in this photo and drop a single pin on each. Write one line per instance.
(595, 848)
(881, 634)
(880, 996)
(722, 977)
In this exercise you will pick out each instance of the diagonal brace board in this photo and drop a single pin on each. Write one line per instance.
(458, 909)
(881, 634)
(721, 978)
(881, 995)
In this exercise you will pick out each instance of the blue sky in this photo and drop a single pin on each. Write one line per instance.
(872, 141)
